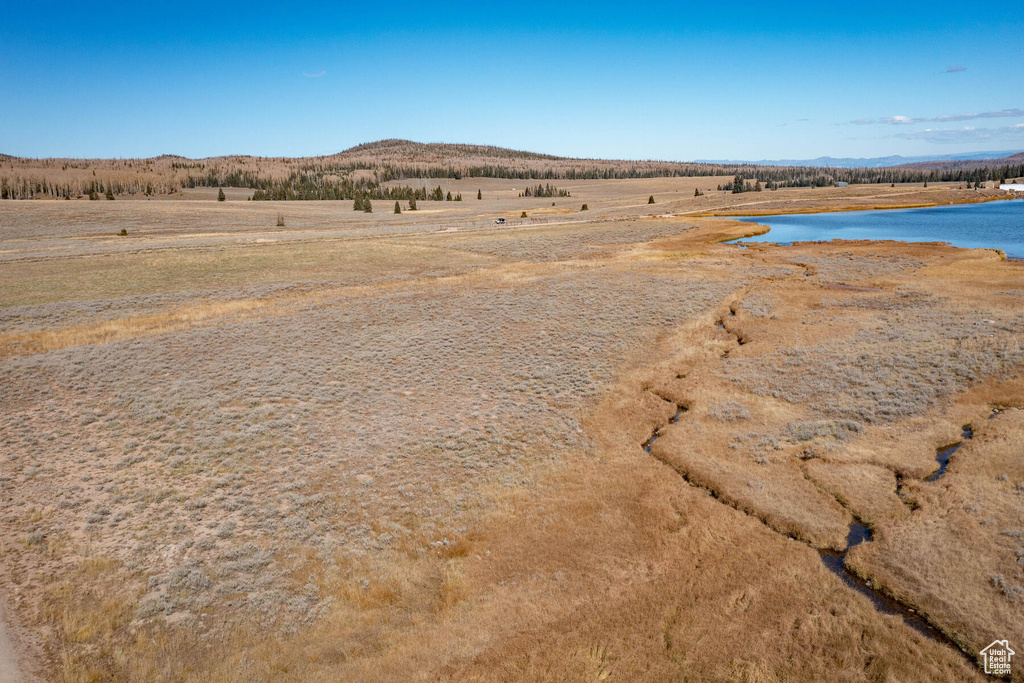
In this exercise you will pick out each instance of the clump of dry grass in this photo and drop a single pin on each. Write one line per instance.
(729, 411)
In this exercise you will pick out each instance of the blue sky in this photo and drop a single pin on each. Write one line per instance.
(625, 80)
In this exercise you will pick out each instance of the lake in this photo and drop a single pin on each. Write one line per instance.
(997, 225)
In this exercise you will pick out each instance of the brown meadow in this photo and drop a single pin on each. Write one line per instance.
(361, 448)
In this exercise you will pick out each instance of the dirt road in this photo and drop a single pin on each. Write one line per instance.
(8, 662)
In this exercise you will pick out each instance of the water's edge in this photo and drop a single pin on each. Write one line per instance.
(967, 226)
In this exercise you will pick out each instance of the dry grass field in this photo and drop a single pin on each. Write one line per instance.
(375, 447)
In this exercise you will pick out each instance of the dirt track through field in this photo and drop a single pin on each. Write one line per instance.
(9, 672)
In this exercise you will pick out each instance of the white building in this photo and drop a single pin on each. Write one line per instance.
(1013, 187)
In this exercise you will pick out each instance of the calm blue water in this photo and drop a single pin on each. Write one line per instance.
(998, 225)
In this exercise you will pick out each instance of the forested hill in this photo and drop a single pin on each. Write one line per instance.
(363, 170)
(407, 150)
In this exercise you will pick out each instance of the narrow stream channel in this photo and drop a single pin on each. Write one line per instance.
(680, 409)
(836, 563)
(859, 533)
(943, 456)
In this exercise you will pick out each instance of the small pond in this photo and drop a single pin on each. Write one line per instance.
(993, 225)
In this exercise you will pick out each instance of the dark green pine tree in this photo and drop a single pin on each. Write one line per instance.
(398, 208)
(220, 195)
(110, 193)
(412, 203)
(650, 200)
(479, 194)
(449, 197)
(737, 184)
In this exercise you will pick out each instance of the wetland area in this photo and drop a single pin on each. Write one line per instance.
(593, 445)
(660, 344)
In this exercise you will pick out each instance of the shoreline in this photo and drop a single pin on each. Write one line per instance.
(845, 209)
(757, 232)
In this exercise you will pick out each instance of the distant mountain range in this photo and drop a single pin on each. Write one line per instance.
(872, 162)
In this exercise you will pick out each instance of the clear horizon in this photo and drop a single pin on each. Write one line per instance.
(534, 151)
(596, 80)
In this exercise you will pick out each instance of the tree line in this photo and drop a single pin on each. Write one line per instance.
(327, 179)
(547, 190)
(299, 186)
(738, 185)
(31, 188)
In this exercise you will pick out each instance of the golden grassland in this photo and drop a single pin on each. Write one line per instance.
(362, 449)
